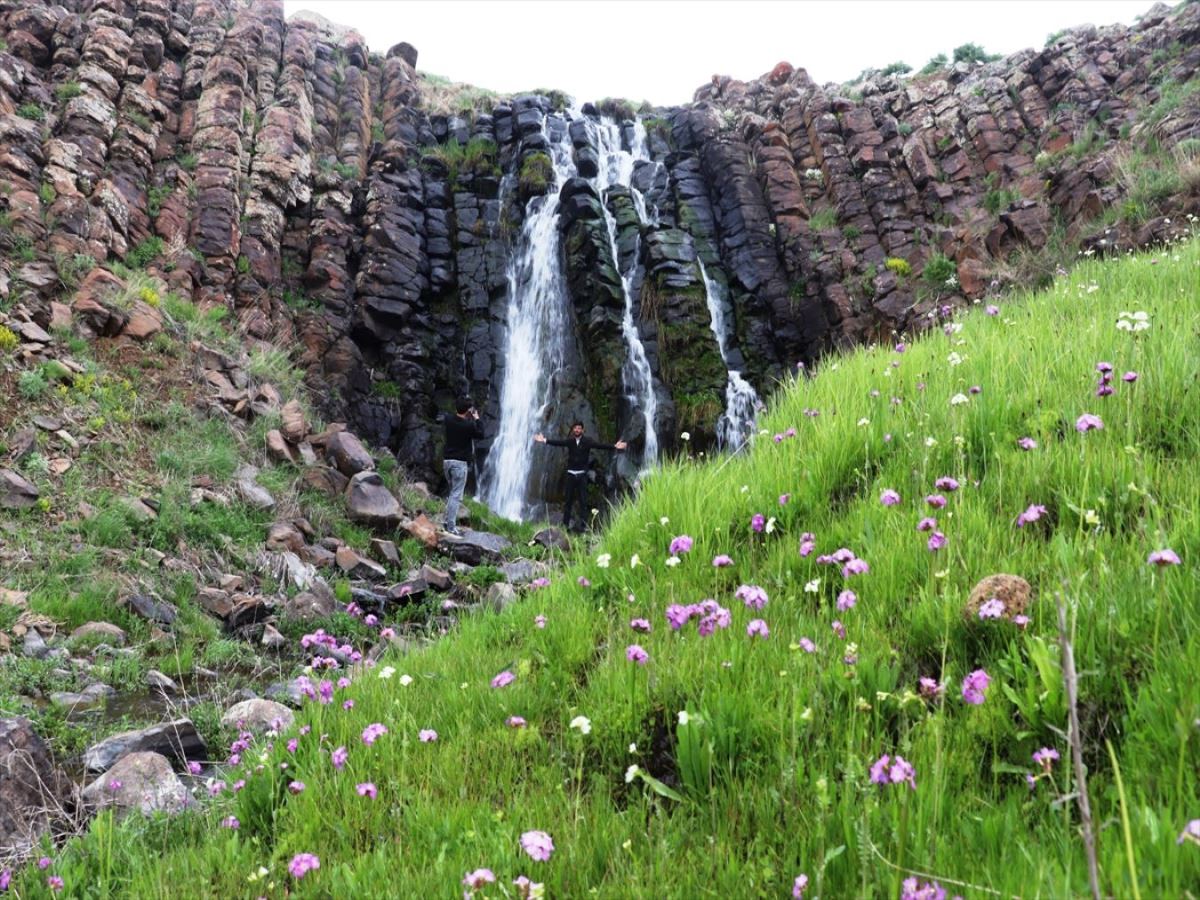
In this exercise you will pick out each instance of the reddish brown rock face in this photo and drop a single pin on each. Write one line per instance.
(308, 186)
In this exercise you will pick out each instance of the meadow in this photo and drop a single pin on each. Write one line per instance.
(765, 680)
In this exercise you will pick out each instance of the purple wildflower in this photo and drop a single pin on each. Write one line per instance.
(1032, 513)
(367, 789)
(720, 561)
(478, 879)
(231, 822)
(846, 600)
(55, 883)
(296, 787)
(758, 522)
(373, 732)
(504, 678)
(992, 609)
(338, 757)
(902, 771)
(808, 543)
(5, 879)
(427, 735)
(43, 863)
(583, 581)
(538, 845)
(784, 498)
(752, 595)
(1163, 558)
(879, 770)
(680, 544)
(974, 687)
(1191, 832)
(515, 722)
(839, 629)
(1027, 443)
(937, 501)
(798, 887)
(640, 625)
(911, 889)
(303, 863)
(1045, 757)
(946, 483)
(936, 541)
(929, 523)
(1104, 368)
(634, 653)
(992, 309)
(539, 621)
(1130, 377)
(1088, 422)
(758, 628)
(855, 566)
(931, 688)
(889, 497)
(807, 646)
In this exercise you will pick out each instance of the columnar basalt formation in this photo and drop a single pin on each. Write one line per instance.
(283, 172)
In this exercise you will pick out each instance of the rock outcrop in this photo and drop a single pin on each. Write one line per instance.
(284, 172)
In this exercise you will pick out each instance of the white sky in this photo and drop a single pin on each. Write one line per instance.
(662, 50)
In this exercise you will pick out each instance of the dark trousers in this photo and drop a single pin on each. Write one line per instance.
(576, 493)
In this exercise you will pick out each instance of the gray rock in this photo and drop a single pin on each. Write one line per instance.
(258, 716)
(500, 596)
(435, 578)
(272, 639)
(155, 610)
(552, 539)
(348, 454)
(251, 491)
(316, 603)
(15, 491)
(369, 500)
(475, 547)
(522, 571)
(112, 634)
(156, 680)
(75, 702)
(35, 647)
(142, 781)
(176, 740)
(29, 786)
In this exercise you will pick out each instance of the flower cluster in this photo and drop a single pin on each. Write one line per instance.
(712, 615)
(886, 770)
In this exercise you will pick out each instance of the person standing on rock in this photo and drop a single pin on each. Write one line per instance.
(463, 428)
(579, 451)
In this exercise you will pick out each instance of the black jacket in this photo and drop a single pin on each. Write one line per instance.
(578, 451)
(459, 435)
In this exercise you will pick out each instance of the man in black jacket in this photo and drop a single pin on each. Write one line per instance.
(579, 450)
(462, 429)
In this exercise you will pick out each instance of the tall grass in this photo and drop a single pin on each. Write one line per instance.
(767, 775)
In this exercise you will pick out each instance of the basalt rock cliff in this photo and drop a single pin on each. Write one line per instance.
(310, 187)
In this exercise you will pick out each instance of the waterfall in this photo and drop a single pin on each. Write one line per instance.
(736, 425)
(538, 330)
(616, 167)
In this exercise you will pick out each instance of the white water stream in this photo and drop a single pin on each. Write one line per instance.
(736, 426)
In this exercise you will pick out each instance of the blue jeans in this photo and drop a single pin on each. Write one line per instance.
(455, 471)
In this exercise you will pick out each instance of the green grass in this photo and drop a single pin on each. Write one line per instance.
(771, 770)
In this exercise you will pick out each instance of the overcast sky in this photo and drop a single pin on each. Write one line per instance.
(662, 50)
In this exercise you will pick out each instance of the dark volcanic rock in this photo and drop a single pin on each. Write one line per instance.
(177, 740)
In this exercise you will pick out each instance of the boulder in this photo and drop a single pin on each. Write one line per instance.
(522, 571)
(369, 500)
(154, 610)
(348, 454)
(29, 786)
(272, 639)
(177, 740)
(500, 596)
(385, 551)
(316, 603)
(358, 566)
(475, 547)
(258, 716)
(294, 426)
(248, 609)
(423, 530)
(552, 539)
(279, 449)
(436, 578)
(284, 536)
(111, 634)
(157, 681)
(15, 491)
(142, 781)
(214, 601)
(1011, 590)
(251, 491)
(327, 480)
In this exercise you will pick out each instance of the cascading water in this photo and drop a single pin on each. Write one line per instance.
(736, 425)
(537, 333)
(616, 167)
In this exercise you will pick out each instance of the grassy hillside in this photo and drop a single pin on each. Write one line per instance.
(754, 756)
